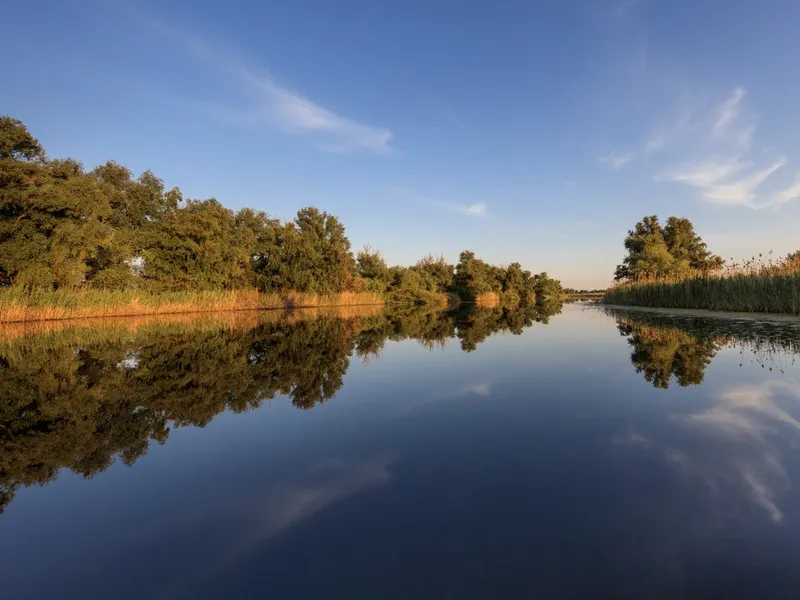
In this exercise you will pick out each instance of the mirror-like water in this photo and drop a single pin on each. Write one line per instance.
(478, 454)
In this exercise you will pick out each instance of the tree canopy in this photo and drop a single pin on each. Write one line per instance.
(63, 227)
(673, 250)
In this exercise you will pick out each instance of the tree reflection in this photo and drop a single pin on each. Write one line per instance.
(660, 354)
(80, 398)
(681, 346)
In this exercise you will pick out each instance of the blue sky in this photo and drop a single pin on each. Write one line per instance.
(536, 132)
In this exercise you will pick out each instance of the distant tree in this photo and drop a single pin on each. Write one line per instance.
(370, 264)
(656, 251)
(438, 269)
(687, 248)
(546, 288)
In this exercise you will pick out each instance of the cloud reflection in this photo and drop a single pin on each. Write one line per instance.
(733, 446)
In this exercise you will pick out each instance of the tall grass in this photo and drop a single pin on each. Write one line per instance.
(17, 305)
(114, 328)
(753, 286)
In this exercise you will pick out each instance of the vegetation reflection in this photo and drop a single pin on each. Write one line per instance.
(680, 347)
(80, 397)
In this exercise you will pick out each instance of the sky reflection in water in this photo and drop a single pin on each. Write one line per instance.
(640, 453)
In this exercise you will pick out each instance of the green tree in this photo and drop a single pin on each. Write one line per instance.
(656, 252)
(546, 288)
(687, 248)
(54, 218)
(438, 269)
(199, 246)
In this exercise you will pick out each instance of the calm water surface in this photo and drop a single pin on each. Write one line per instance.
(596, 453)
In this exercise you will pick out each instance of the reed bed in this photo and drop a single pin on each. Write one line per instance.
(754, 286)
(22, 306)
(115, 327)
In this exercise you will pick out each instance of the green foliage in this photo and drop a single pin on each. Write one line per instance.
(199, 246)
(64, 228)
(546, 288)
(16, 142)
(655, 252)
(371, 265)
(474, 277)
(61, 227)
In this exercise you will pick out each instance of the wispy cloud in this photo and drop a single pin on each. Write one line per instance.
(725, 174)
(734, 182)
(616, 160)
(270, 103)
(471, 210)
(728, 111)
(479, 209)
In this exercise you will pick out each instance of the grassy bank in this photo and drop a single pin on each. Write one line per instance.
(764, 291)
(20, 306)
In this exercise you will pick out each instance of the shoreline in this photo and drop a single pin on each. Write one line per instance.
(98, 304)
(708, 313)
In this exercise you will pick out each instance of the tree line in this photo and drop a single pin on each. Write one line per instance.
(62, 227)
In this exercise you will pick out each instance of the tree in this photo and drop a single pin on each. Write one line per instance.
(438, 269)
(319, 253)
(17, 143)
(370, 264)
(657, 252)
(261, 233)
(199, 246)
(546, 289)
(54, 218)
(687, 248)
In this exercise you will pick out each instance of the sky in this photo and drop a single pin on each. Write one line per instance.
(530, 132)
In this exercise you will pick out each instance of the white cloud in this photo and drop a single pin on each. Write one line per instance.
(724, 174)
(728, 111)
(275, 105)
(733, 182)
(482, 389)
(616, 160)
(473, 210)
(479, 209)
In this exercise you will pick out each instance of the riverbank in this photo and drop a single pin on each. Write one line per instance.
(18, 306)
(777, 293)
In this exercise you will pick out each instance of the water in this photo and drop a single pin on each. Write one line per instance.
(626, 454)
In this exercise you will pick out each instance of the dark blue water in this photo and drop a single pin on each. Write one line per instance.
(626, 455)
